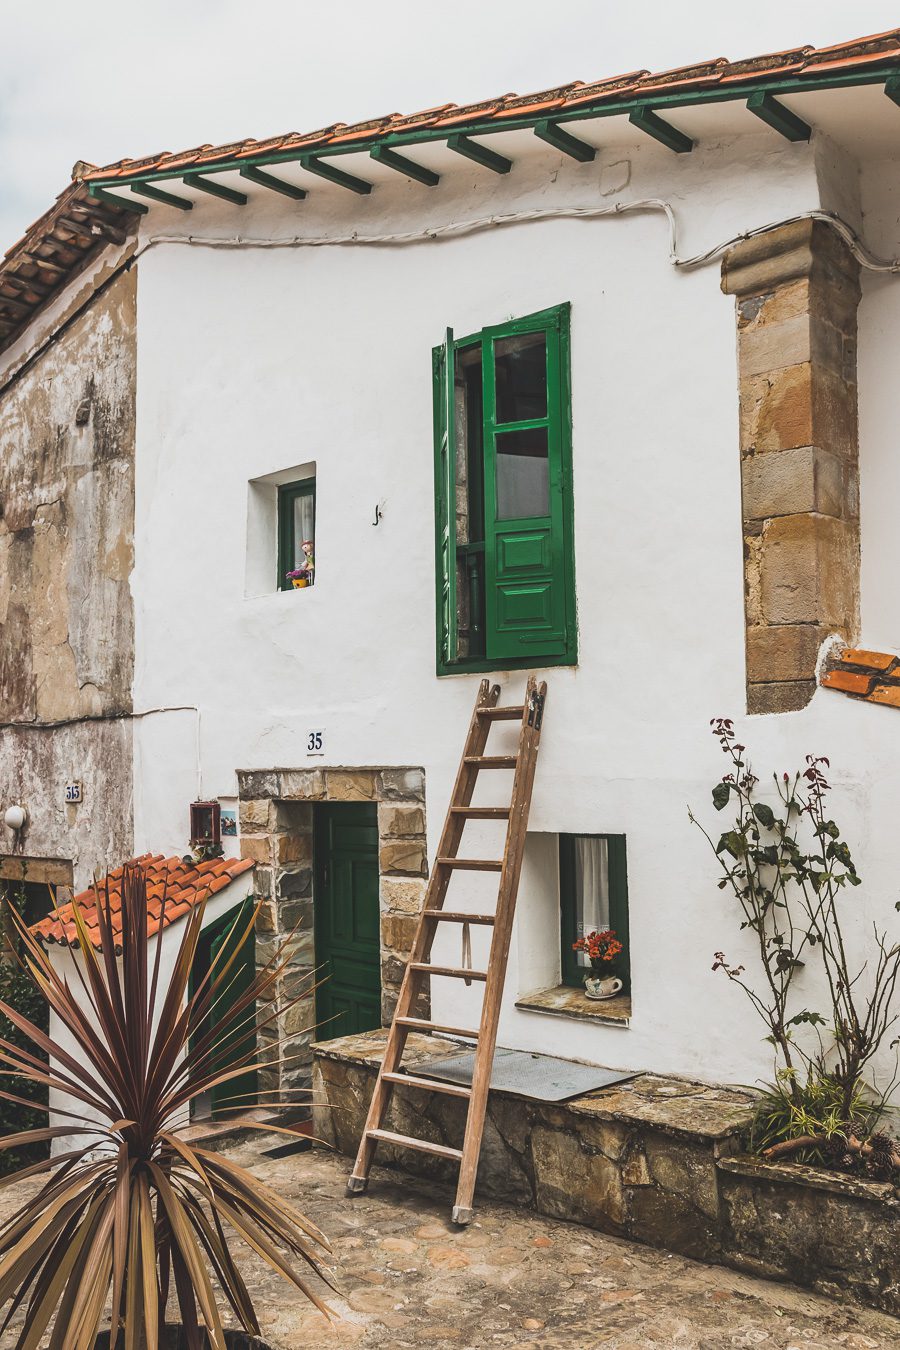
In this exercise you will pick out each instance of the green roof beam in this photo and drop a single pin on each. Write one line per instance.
(167, 198)
(383, 155)
(645, 119)
(563, 140)
(204, 184)
(111, 199)
(268, 180)
(892, 88)
(779, 117)
(479, 154)
(335, 175)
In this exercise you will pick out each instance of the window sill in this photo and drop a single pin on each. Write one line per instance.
(485, 665)
(564, 1001)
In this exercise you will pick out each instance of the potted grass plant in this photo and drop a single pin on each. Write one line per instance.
(132, 1219)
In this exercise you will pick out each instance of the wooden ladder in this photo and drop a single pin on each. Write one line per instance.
(419, 967)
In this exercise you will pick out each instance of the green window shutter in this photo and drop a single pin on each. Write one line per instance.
(445, 497)
(529, 600)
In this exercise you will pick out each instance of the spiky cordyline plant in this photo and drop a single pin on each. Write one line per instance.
(136, 1207)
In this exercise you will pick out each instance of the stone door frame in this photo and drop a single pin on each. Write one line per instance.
(276, 828)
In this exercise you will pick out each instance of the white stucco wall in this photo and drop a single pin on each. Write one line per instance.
(253, 360)
(64, 963)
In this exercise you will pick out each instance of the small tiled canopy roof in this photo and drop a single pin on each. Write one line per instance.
(873, 676)
(184, 885)
(80, 224)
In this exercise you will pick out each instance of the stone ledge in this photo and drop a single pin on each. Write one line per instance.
(657, 1160)
(816, 1178)
(564, 1001)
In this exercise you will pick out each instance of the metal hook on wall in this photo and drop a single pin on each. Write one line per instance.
(377, 515)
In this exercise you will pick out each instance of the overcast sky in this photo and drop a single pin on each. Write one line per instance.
(100, 80)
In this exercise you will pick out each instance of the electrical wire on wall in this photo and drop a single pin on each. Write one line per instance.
(460, 229)
(88, 718)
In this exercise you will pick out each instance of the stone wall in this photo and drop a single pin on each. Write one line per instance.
(797, 290)
(276, 826)
(656, 1160)
(67, 440)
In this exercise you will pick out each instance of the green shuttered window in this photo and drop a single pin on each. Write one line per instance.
(503, 496)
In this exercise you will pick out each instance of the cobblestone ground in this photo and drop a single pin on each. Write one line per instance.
(409, 1279)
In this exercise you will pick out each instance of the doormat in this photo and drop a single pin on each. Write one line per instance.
(543, 1078)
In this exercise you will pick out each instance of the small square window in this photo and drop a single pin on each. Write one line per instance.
(297, 534)
(593, 896)
(206, 823)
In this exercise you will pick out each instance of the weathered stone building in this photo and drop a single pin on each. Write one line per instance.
(67, 442)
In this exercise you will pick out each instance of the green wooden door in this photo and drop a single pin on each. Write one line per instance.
(236, 1036)
(347, 919)
(523, 490)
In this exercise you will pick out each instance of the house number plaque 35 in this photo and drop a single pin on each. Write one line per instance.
(315, 742)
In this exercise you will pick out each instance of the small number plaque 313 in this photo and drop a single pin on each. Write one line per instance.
(73, 791)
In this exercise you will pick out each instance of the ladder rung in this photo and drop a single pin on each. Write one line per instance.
(457, 971)
(422, 1024)
(453, 916)
(481, 812)
(472, 864)
(410, 1080)
(493, 761)
(510, 713)
(406, 1141)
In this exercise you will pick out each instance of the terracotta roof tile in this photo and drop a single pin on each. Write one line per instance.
(886, 693)
(873, 676)
(72, 254)
(182, 884)
(848, 681)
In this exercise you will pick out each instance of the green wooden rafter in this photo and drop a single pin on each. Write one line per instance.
(398, 141)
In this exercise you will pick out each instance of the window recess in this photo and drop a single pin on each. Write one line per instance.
(593, 895)
(503, 496)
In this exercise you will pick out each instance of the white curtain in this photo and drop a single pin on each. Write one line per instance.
(303, 526)
(591, 888)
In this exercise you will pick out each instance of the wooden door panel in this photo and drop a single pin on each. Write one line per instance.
(347, 918)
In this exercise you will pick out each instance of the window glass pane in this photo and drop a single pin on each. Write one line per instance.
(523, 474)
(520, 371)
(591, 889)
(303, 527)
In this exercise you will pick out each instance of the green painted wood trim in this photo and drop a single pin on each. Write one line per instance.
(112, 199)
(648, 121)
(780, 118)
(571, 973)
(383, 155)
(557, 318)
(563, 140)
(892, 88)
(479, 154)
(267, 180)
(334, 175)
(287, 495)
(738, 92)
(157, 195)
(203, 184)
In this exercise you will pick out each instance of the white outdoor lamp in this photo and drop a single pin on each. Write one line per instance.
(15, 817)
